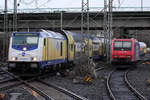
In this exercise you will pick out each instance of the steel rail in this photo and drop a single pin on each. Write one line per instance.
(67, 92)
(127, 83)
(108, 86)
(137, 93)
(28, 84)
(5, 81)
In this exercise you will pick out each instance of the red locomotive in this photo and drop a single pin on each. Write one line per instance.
(125, 51)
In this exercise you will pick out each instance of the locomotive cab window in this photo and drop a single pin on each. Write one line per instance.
(127, 45)
(117, 45)
(122, 45)
(25, 39)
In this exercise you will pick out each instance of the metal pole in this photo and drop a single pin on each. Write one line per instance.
(36, 3)
(61, 20)
(108, 45)
(85, 22)
(10, 26)
(5, 17)
(141, 5)
(5, 40)
(15, 16)
(82, 17)
(110, 28)
(136, 35)
(88, 27)
(105, 27)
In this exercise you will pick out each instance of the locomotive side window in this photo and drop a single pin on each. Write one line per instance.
(122, 45)
(44, 41)
(61, 49)
(71, 46)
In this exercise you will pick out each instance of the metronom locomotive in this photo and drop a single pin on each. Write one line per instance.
(34, 52)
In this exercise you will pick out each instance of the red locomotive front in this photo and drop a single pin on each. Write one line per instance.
(122, 50)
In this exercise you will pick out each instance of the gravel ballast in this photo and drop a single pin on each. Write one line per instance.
(138, 78)
(19, 93)
(95, 91)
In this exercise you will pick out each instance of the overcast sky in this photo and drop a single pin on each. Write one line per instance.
(25, 4)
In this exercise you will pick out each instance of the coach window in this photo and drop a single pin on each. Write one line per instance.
(44, 41)
(71, 47)
(61, 49)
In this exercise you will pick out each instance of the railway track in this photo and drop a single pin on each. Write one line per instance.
(19, 81)
(98, 69)
(67, 95)
(3, 76)
(7, 82)
(45, 90)
(119, 87)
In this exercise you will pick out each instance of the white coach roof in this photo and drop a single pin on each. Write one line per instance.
(52, 34)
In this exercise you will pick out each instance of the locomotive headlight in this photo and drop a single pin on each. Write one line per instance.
(129, 56)
(115, 56)
(24, 49)
(34, 59)
(14, 58)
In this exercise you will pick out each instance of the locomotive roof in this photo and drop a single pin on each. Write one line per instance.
(95, 39)
(123, 39)
(142, 44)
(76, 36)
(46, 33)
(52, 34)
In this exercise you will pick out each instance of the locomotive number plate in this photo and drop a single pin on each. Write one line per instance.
(24, 59)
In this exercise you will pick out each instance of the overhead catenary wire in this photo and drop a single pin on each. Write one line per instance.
(119, 4)
(36, 2)
(45, 3)
(27, 3)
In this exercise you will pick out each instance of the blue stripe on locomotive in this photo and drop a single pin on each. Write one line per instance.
(52, 62)
(95, 57)
(136, 51)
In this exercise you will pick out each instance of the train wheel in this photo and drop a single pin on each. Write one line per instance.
(54, 67)
(50, 68)
(64, 66)
(57, 67)
(9, 69)
(60, 67)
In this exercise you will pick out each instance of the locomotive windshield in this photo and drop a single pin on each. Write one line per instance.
(25, 39)
(122, 45)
